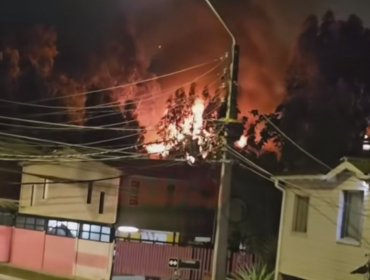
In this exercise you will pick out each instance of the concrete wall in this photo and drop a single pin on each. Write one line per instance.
(5, 243)
(62, 256)
(27, 249)
(94, 259)
(59, 255)
(320, 254)
(69, 200)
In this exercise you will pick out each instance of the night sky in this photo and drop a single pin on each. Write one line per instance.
(187, 33)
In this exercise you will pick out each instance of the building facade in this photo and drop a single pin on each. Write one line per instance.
(65, 222)
(325, 223)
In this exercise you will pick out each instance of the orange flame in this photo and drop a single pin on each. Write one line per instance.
(191, 126)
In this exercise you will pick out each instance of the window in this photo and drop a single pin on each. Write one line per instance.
(89, 192)
(351, 214)
(101, 202)
(96, 233)
(33, 223)
(63, 228)
(45, 188)
(300, 213)
(32, 200)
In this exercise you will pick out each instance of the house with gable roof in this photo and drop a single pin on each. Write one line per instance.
(325, 223)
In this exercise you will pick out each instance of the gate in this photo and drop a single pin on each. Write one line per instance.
(151, 260)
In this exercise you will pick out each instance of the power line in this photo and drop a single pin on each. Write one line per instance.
(295, 144)
(268, 176)
(183, 70)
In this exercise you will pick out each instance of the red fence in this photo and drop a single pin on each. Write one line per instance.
(134, 258)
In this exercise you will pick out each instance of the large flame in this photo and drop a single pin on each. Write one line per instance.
(188, 126)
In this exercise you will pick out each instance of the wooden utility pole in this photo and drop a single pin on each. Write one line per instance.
(232, 126)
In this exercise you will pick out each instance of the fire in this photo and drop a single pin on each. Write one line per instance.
(242, 142)
(188, 126)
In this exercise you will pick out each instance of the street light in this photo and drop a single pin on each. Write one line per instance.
(232, 126)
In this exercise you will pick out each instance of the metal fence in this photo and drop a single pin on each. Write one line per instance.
(151, 260)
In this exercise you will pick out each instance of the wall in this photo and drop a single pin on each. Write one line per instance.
(167, 204)
(27, 249)
(5, 243)
(60, 256)
(69, 200)
(317, 254)
(93, 259)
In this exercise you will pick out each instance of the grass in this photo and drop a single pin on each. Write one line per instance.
(27, 274)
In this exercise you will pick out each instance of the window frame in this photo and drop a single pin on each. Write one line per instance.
(106, 232)
(74, 233)
(342, 231)
(299, 202)
(99, 232)
(28, 224)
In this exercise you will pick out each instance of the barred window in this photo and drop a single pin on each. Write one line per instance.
(96, 233)
(33, 223)
(63, 228)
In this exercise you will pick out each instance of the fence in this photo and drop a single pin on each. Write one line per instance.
(151, 260)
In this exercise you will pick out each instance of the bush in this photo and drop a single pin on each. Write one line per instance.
(253, 273)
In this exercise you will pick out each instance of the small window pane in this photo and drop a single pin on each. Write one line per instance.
(21, 220)
(30, 220)
(95, 236)
(52, 223)
(61, 232)
(85, 235)
(73, 226)
(86, 227)
(40, 228)
(28, 226)
(95, 228)
(40, 222)
(105, 238)
(105, 230)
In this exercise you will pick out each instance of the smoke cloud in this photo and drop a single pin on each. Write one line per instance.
(188, 32)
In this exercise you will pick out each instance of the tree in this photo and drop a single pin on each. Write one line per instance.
(327, 100)
(119, 127)
(190, 125)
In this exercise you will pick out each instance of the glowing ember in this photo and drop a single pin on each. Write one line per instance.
(157, 148)
(242, 142)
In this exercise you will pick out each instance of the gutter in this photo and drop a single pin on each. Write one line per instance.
(282, 213)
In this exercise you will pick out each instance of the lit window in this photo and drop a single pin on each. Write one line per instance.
(351, 214)
(96, 233)
(63, 228)
(300, 214)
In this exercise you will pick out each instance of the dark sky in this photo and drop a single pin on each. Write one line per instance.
(188, 33)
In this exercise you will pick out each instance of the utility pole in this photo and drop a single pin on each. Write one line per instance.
(220, 251)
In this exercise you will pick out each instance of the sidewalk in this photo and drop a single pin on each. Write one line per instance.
(7, 277)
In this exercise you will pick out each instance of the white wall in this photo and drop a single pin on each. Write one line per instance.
(318, 254)
(69, 200)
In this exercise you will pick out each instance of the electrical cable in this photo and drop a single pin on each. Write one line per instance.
(295, 144)
(267, 175)
(31, 103)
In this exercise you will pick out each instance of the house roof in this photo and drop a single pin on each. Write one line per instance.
(349, 166)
